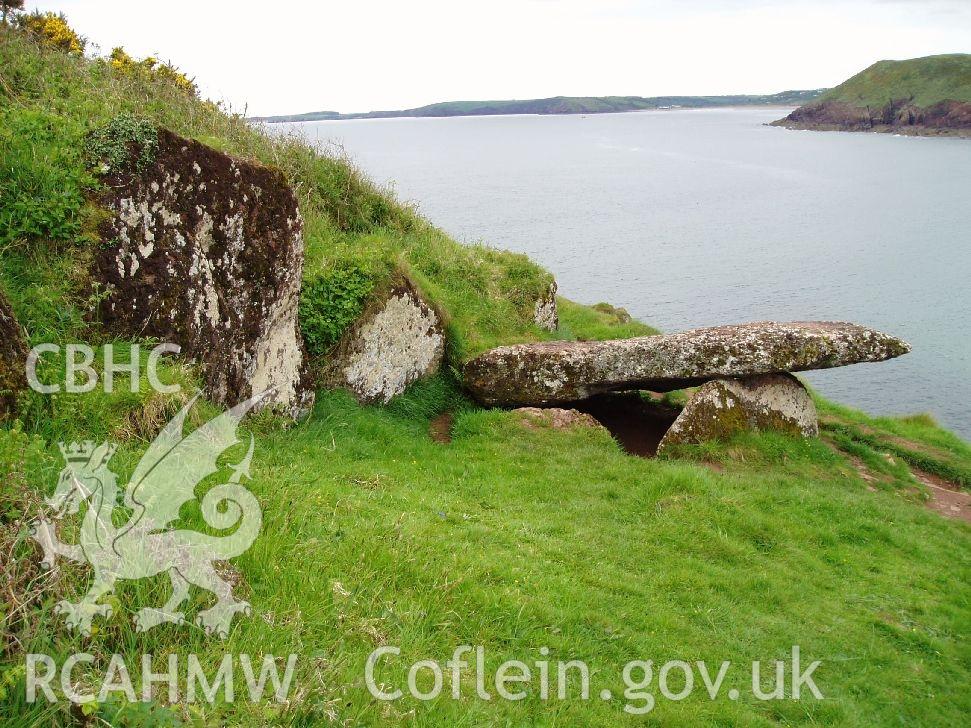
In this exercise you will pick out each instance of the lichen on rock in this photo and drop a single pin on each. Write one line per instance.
(206, 251)
(545, 314)
(13, 358)
(724, 407)
(555, 418)
(566, 371)
(398, 340)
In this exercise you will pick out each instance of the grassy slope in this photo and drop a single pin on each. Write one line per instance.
(516, 539)
(509, 538)
(49, 101)
(928, 80)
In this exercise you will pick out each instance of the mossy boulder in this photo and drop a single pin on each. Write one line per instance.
(396, 341)
(206, 251)
(616, 313)
(565, 371)
(13, 357)
(724, 407)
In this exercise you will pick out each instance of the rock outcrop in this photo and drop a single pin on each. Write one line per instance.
(555, 418)
(397, 341)
(557, 372)
(618, 314)
(899, 116)
(723, 407)
(13, 358)
(545, 314)
(206, 251)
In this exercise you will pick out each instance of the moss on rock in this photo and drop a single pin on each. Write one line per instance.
(397, 340)
(722, 408)
(205, 250)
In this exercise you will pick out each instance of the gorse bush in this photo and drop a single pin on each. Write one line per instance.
(53, 30)
(152, 68)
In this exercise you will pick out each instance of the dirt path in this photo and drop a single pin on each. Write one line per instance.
(945, 497)
(441, 428)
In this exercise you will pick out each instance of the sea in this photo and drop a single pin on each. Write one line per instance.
(702, 217)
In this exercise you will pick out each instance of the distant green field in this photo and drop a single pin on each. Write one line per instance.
(927, 80)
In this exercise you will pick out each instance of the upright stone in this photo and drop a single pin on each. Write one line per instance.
(398, 340)
(723, 407)
(206, 251)
(545, 314)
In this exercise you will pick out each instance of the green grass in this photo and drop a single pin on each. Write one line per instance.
(917, 441)
(43, 180)
(598, 322)
(926, 80)
(517, 539)
(509, 537)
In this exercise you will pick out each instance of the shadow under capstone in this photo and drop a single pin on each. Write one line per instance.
(635, 422)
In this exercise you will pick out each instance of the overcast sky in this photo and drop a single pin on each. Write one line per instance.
(361, 55)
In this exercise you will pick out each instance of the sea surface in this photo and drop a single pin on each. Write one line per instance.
(694, 218)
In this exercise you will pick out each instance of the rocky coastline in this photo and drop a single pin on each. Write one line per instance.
(900, 116)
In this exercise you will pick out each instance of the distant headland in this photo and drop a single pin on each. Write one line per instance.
(563, 105)
(929, 96)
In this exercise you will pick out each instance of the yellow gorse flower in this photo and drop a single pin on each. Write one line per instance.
(150, 67)
(52, 29)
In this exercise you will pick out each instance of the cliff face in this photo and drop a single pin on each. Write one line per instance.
(900, 116)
